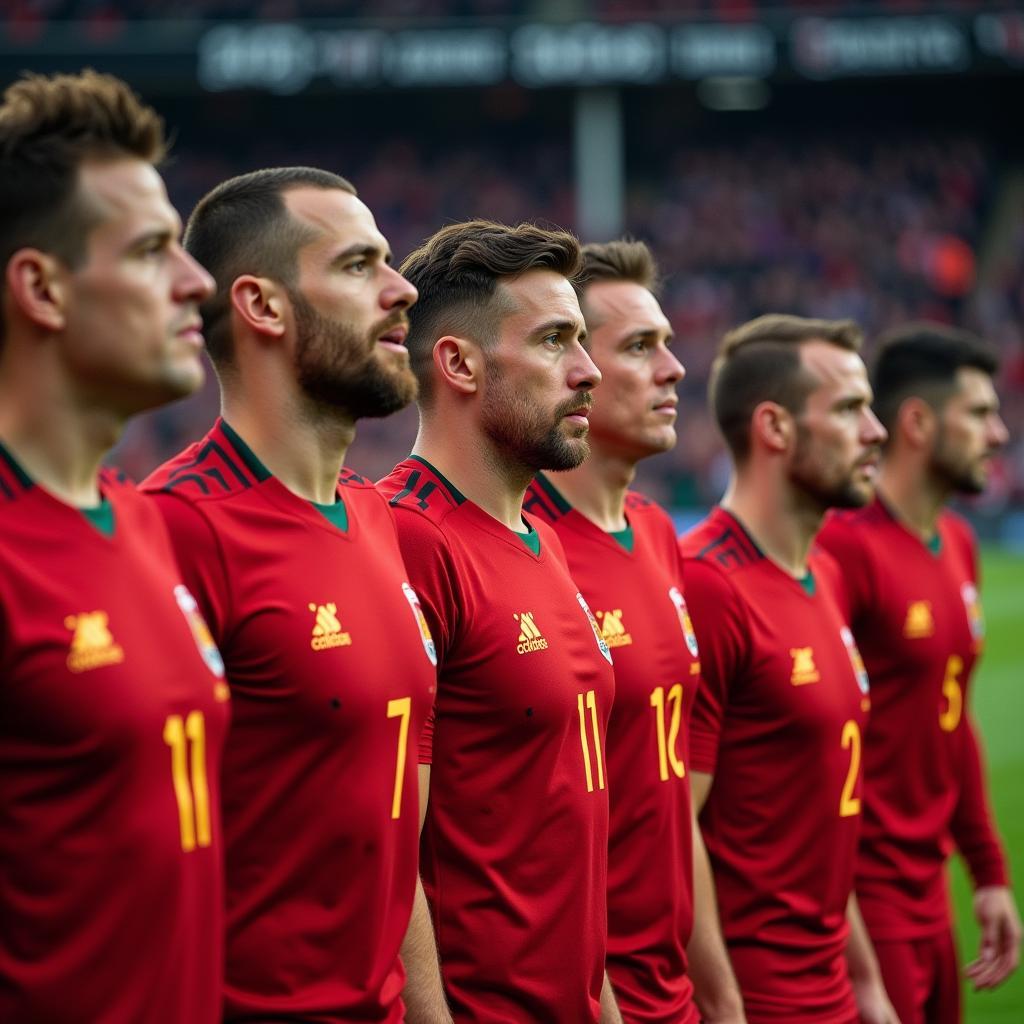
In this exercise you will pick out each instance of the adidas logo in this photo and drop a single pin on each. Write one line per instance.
(530, 637)
(612, 629)
(92, 644)
(327, 631)
(804, 669)
(919, 622)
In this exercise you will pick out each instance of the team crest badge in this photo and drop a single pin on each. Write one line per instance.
(855, 660)
(200, 631)
(421, 622)
(602, 646)
(685, 622)
(972, 604)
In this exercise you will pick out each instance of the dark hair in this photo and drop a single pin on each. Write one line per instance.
(457, 272)
(622, 260)
(243, 227)
(922, 359)
(760, 362)
(49, 127)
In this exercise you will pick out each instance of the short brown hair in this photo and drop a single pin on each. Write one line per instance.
(760, 362)
(922, 359)
(49, 127)
(624, 259)
(243, 227)
(457, 272)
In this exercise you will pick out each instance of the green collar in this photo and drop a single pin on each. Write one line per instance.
(245, 453)
(624, 537)
(531, 540)
(101, 516)
(807, 582)
(336, 514)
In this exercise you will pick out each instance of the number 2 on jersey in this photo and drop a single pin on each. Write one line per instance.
(193, 796)
(591, 703)
(667, 745)
(849, 805)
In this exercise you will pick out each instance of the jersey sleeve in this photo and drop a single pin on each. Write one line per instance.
(720, 624)
(429, 563)
(853, 591)
(201, 560)
(973, 826)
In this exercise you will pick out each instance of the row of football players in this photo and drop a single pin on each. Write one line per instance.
(427, 637)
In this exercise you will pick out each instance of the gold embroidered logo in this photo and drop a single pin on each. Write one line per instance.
(327, 631)
(530, 638)
(92, 644)
(804, 669)
(612, 629)
(919, 622)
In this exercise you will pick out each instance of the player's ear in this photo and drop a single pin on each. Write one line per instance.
(260, 304)
(35, 281)
(916, 422)
(459, 363)
(772, 426)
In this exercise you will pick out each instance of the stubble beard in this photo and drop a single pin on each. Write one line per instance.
(807, 474)
(524, 435)
(338, 367)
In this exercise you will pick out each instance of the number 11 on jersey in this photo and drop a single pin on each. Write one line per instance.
(590, 698)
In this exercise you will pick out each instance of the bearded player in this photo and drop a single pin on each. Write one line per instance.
(295, 561)
(515, 840)
(777, 726)
(112, 713)
(910, 569)
(622, 552)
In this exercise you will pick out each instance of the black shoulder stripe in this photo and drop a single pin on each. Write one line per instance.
(414, 479)
(727, 550)
(187, 478)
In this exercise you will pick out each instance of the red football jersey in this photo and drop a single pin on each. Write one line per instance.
(637, 598)
(515, 843)
(112, 721)
(917, 619)
(331, 670)
(778, 722)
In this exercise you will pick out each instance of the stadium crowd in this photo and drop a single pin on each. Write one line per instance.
(879, 231)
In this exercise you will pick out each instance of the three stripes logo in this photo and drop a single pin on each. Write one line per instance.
(327, 631)
(612, 629)
(919, 622)
(530, 637)
(92, 643)
(804, 669)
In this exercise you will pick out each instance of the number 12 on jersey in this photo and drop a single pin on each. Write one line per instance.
(667, 744)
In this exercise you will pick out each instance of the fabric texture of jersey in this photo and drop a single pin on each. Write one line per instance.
(112, 722)
(778, 723)
(515, 842)
(330, 669)
(917, 619)
(637, 597)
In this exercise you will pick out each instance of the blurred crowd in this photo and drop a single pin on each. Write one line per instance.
(880, 231)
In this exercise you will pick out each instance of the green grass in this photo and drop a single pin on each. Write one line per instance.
(998, 705)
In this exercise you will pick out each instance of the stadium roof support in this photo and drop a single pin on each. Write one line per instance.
(600, 164)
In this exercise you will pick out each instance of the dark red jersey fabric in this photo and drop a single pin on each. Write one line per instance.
(112, 720)
(332, 677)
(515, 843)
(917, 618)
(637, 598)
(779, 724)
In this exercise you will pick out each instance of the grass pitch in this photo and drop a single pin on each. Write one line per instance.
(998, 706)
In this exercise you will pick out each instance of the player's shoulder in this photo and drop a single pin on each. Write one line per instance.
(14, 482)
(720, 543)
(543, 500)
(415, 486)
(644, 511)
(211, 469)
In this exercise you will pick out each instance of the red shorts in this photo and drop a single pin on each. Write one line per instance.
(922, 977)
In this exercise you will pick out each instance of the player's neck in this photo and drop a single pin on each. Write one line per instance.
(303, 445)
(58, 442)
(477, 468)
(782, 520)
(911, 495)
(597, 488)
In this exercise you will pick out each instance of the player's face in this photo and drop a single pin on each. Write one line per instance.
(536, 398)
(838, 438)
(970, 431)
(634, 414)
(350, 308)
(133, 331)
